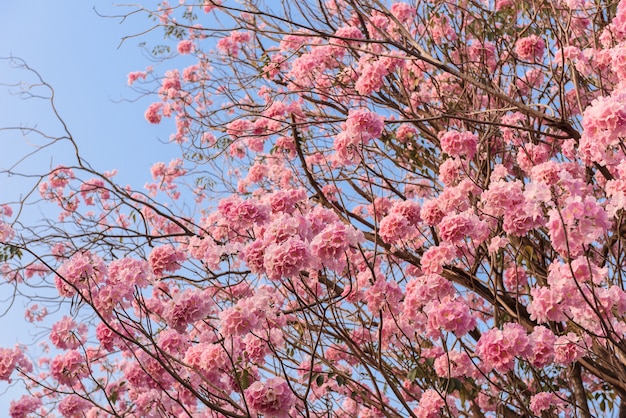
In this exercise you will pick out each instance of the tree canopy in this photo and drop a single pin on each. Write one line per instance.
(379, 209)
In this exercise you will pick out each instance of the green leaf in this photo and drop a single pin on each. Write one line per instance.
(319, 380)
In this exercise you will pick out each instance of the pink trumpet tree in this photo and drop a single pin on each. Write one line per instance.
(379, 209)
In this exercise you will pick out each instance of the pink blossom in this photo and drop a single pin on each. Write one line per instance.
(430, 404)
(331, 244)
(545, 305)
(568, 349)
(24, 406)
(455, 228)
(66, 334)
(450, 171)
(431, 212)
(395, 227)
(287, 201)
(79, 272)
(73, 406)
(106, 336)
(530, 48)
(423, 289)
(577, 225)
(454, 364)
(383, 295)
(541, 346)
(165, 258)
(239, 319)
(186, 308)
(372, 77)
(449, 314)
(403, 12)
(502, 197)
(349, 32)
(514, 277)
(458, 144)
(544, 401)
(136, 75)
(286, 259)
(153, 113)
(68, 368)
(6, 232)
(273, 398)
(173, 342)
(9, 360)
(231, 45)
(185, 47)
(35, 313)
(435, 258)
(498, 348)
(364, 125)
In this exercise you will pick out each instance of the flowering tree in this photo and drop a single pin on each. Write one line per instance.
(378, 210)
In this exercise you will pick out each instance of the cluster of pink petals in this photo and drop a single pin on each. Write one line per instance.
(69, 368)
(530, 48)
(458, 144)
(273, 398)
(10, 359)
(186, 308)
(166, 258)
(498, 348)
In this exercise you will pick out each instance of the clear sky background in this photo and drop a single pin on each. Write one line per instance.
(79, 54)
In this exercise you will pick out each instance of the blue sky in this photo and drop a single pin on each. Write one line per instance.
(79, 54)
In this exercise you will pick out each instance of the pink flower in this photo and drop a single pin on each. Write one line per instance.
(454, 364)
(457, 144)
(73, 406)
(455, 228)
(431, 212)
(79, 273)
(530, 48)
(272, 398)
(577, 225)
(165, 258)
(6, 232)
(395, 227)
(68, 368)
(153, 113)
(136, 75)
(231, 44)
(435, 258)
(66, 334)
(542, 347)
(449, 314)
(502, 197)
(568, 349)
(186, 308)
(403, 12)
(430, 404)
(239, 319)
(383, 295)
(372, 77)
(24, 406)
(286, 259)
(514, 277)
(106, 336)
(364, 125)
(331, 244)
(185, 47)
(543, 401)
(498, 348)
(545, 305)
(9, 360)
